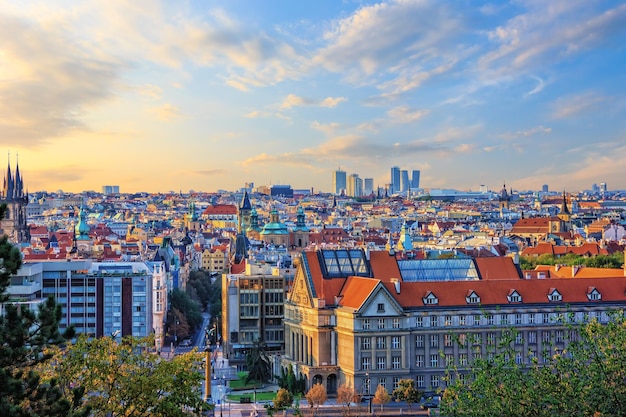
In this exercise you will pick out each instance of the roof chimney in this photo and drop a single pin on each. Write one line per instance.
(396, 284)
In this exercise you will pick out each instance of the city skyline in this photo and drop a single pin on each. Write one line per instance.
(161, 96)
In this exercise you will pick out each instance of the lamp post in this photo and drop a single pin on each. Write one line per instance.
(367, 389)
(207, 365)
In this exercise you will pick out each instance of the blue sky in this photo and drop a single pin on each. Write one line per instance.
(207, 95)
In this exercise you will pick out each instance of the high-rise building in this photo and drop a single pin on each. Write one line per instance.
(368, 186)
(339, 181)
(404, 181)
(603, 187)
(395, 179)
(544, 188)
(110, 189)
(415, 179)
(355, 186)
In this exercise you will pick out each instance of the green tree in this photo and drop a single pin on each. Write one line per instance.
(382, 397)
(283, 399)
(25, 336)
(180, 301)
(585, 379)
(406, 391)
(127, 379)
(258, 363)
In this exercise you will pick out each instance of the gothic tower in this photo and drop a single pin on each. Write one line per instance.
(14, 223)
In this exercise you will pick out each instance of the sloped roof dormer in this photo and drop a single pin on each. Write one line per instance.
(593, 294)
(430, 299)
(514, 297)
(472, 297)
(554, 295)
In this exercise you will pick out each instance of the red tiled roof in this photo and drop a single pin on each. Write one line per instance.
(220, 209)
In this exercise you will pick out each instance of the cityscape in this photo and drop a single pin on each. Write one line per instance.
(357, 208)
(347, 289)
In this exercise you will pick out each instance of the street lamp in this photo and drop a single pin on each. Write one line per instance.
(367, 388)
(207, 365)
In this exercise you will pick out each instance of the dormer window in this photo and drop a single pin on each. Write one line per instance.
(593, 294)
(514, 297)
(430, 298)
(555, 295)
(381, 308)
(472, 298)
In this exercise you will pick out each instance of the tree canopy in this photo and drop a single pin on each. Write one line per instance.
(587, 378)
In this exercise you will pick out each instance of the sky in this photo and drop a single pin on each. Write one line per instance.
(210, 95)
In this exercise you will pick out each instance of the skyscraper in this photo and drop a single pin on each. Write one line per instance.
(355, 186)
(415, 179)
(339, 181)
(404, 181)
(368, 186)
(395, 179)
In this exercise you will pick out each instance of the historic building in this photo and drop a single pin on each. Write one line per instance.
(372, 319)
(14, 222)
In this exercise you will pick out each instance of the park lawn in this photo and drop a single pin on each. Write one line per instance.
(260, 396)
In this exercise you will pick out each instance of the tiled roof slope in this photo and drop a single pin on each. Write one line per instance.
(499, 278)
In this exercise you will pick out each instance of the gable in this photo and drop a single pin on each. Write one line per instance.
(301, 292)
(380, 304)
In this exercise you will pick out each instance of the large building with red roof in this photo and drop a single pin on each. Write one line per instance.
(369, 319)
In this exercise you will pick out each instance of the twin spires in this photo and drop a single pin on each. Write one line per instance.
(13, 187)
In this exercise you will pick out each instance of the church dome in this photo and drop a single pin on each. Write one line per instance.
(274, 226)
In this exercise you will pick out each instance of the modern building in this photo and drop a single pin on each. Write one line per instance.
(355, 186)
(281, 191)
(252, 310)
(110, 189)
(415, 179)
(99, 298)
(404, 181)
(339, 182)
(369, 319)
(395, 180)
(368, 186)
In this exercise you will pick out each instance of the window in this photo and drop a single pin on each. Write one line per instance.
(472, 298)
(476, 339)
(434, 321)
(490, 319)
(434, 340)
(365, 343)
(449, 359)
(531, 355)
(434, 361)
(519, 339)
(396, 382)
(514, 297)
(559, 336)
(430, 299)
(476, 320)
(462, 339)
(366, 324)
(491, 338)
(419, 361)
(395, 362)
(448, 321)
(383, 382)
(366, 362)
(546, 337)
(419, 321)
(518, 319)
(532, 337)
(463, 359)
(381, 342)
(434, 381)
(420, 381)
(554, 295)
(504, 319)
(396, 323)
(518, 358)
(461, 320)
(447, 340)
(381, 323)
(546, 318)
(419, 341)
(594, 295)
(531, 318)
(395, 342)
(381, 308)
(380, 362)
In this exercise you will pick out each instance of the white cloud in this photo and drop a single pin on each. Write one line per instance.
(573, 105)
(404, 114)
